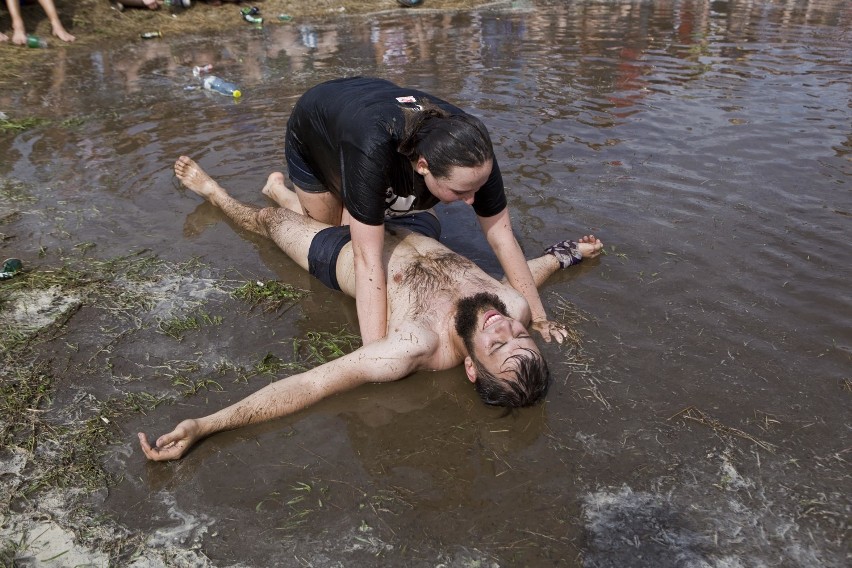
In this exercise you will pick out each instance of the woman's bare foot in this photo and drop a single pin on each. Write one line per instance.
(281, 194)
(19, 37)
(195, 179)
(589, 246)
(62, 33)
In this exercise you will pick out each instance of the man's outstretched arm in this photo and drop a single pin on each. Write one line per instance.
(382, 361)
(545, 265)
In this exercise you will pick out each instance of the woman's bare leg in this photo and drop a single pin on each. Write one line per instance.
(58, 29)
(324, 207)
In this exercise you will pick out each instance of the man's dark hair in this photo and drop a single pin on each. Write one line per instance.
(530, 384)
(445, 140)
(532, 376)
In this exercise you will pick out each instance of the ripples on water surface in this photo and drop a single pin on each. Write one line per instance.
(707, 143)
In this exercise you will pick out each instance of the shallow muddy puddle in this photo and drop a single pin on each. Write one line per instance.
(702, 420)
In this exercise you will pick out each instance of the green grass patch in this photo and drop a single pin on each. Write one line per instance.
(190, 386)
(15, 192)
(20, 124)
(65, 277)
(177, 328)
(11, 339)
(271, 295)
(72, 122)
(69, 452)
(318, 347)
(66, 445)
(25, 395)
(271, 365)
(77, 448)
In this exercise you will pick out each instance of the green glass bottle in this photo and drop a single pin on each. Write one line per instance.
(35, 41)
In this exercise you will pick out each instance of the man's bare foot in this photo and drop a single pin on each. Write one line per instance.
(589, 246)
(3, 37)
(62, 34)
(195, 179)
(280, 193)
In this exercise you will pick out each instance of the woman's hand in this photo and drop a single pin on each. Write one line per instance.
(550, 329)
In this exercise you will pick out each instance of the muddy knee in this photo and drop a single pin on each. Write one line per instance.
(268, 219)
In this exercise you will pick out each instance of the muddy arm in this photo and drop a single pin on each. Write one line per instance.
(542, 268)
(382, 361)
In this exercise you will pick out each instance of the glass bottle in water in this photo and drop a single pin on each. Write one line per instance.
(214, 83)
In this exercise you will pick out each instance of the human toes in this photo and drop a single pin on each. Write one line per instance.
(275, 179)
(65, 36)
(182, 164)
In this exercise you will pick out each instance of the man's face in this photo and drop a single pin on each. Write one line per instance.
(460, 185)
(492, 338)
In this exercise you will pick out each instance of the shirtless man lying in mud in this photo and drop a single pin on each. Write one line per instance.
(443, 310)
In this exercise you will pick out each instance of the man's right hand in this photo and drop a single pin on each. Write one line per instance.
(173, 445)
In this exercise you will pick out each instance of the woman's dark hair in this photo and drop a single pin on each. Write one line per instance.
(444, 140)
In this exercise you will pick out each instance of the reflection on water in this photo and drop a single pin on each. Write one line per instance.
(707, 142)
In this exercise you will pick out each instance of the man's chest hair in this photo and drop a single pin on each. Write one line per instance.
(436, 278)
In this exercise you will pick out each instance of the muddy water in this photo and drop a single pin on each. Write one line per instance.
(707, 143)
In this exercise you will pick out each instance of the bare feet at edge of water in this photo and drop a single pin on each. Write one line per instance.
(589, 246)
(195, 179)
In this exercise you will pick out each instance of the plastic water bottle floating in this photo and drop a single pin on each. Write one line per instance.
(219, 85)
